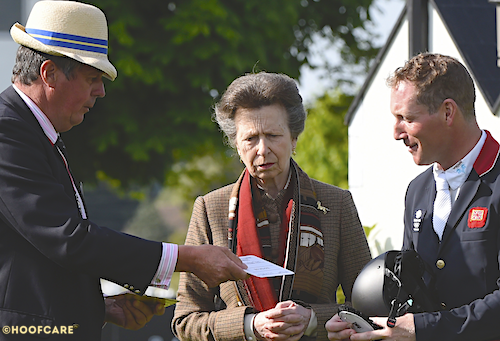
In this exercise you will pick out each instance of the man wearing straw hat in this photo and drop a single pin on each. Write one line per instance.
(51, 255)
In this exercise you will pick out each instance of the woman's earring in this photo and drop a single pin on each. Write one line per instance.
(294, 152)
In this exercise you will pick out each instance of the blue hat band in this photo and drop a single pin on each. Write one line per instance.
(69, 41)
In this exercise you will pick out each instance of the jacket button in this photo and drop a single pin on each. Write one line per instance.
(440, 264)
(273, 218)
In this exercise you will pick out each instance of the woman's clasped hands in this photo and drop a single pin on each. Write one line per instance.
(286, 321)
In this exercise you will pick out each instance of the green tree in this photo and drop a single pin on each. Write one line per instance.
(174, 58)
(322, 149)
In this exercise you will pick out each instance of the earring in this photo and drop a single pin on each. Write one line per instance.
(294, 152)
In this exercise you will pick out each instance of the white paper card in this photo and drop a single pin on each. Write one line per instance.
(262, 268)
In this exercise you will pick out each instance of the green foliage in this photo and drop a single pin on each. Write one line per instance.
(174, 58)
(203, 174)
(368, 229)
(322, 149)
(340, 295)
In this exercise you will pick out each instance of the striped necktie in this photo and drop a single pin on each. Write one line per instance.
(442, 205)
(60, 145)
(62, 150)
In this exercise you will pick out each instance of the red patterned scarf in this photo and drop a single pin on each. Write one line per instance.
(249, 220)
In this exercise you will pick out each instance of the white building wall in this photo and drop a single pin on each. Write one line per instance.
(380, 168)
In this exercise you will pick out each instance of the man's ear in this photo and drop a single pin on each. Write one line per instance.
(450, 108)
(48, 73)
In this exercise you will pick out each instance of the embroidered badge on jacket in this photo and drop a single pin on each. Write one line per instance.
(477, 217)
(417, 219)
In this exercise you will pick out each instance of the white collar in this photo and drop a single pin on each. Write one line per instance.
(42, 119)
(457, 174)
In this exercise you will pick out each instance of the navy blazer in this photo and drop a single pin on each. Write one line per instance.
(50, 258)
(466, 261)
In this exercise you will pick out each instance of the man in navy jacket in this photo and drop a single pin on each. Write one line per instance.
(51, 255)
(432, 100)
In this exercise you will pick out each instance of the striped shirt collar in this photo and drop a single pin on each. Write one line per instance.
(457, 174)
(44, 122)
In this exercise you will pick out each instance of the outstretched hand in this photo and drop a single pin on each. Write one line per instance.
(212, 264)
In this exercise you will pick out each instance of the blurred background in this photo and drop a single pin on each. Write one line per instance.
(150, 147)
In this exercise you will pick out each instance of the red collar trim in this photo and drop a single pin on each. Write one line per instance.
(488, 155)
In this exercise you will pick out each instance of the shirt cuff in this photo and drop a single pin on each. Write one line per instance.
(249, 334)
(313, 324)
(166, 267)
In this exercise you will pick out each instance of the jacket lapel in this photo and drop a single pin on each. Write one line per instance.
(292, 239)
(484, 163)
(12, 99)
(460, 207)
(425, 204)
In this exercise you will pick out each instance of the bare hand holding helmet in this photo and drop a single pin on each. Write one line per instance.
(360, 323)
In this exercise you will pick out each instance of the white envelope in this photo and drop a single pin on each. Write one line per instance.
(262, 268)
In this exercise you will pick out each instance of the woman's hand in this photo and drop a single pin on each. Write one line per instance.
(286, 321)
(338, 329)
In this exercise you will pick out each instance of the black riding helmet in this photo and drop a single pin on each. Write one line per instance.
(393, 284)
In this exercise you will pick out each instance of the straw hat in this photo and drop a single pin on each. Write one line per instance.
(68, 28)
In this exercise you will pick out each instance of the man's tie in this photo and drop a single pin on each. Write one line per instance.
(62, 150)
(442, 205)
(61, 146)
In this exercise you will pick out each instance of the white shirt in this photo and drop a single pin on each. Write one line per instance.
(457, 174)
(170, 252)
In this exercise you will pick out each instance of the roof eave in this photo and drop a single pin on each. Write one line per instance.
(376, 64)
